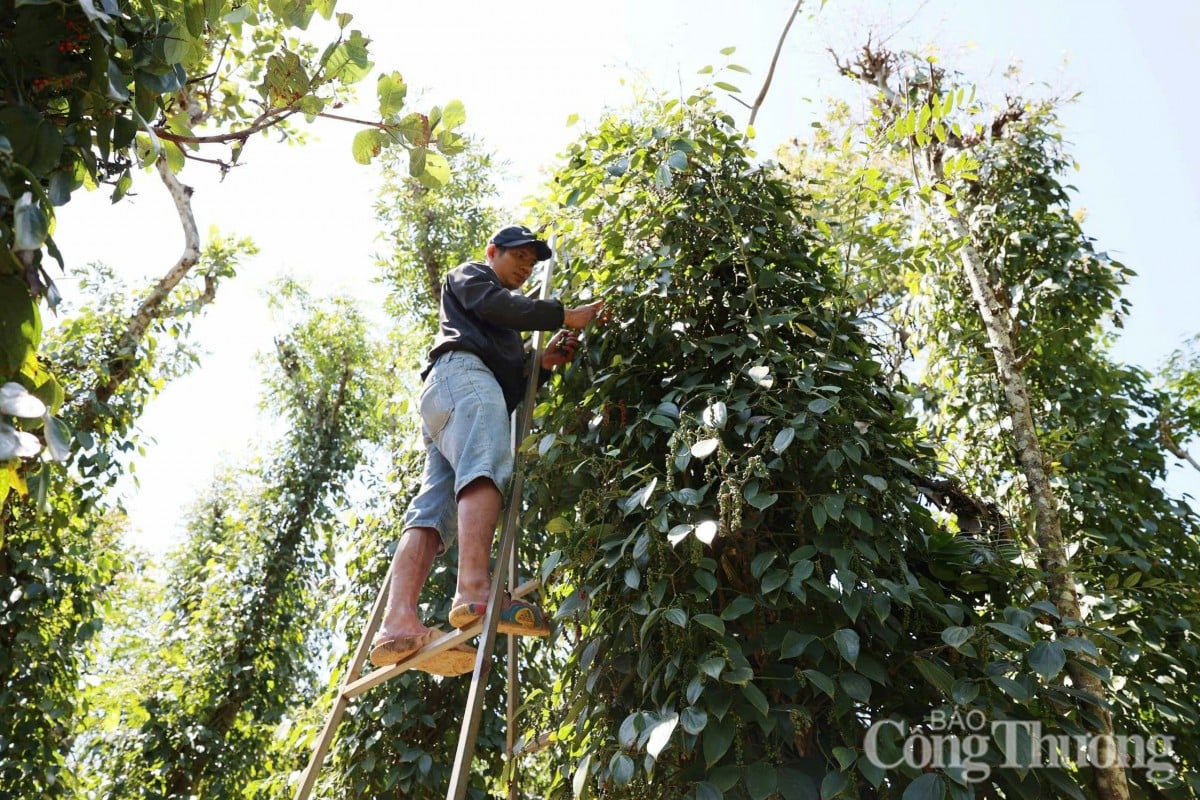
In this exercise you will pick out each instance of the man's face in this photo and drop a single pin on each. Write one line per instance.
(512, 266)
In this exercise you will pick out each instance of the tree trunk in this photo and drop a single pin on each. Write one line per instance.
(1110, 781)
(875, 67)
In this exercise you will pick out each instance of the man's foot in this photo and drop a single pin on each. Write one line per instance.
(456, 660)
(517, 617)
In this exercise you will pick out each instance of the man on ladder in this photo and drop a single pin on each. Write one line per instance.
(474, 379)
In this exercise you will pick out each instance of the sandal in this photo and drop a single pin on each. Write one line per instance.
(517, 618)
(457, 660)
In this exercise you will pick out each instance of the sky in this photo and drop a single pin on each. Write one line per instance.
(522, 68)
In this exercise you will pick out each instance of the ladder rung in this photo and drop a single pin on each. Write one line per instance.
(378, 676)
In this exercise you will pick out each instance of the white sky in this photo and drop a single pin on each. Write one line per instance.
(521, 68)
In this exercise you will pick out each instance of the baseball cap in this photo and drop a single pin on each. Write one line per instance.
(517, 235)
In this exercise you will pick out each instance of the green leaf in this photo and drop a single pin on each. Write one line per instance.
(676, 616)
(847, 644)
(367, 144)
(1013, 689)
(835, 784)
(715, 415)
(437, 170)
(660, 734)
(820, 405)
(819, 515)
(860, 519)
(740, 606)
(710, 621)
(193, 17)
(677, 160)
(763, 500)
(957, 636)
(926, 787)
(795, 643)
(620, 766)
(716, 740)
(773, 580)
(391, 91)
(20, 324)
(705, 447)
(693, 719)
(729, 87)
(1011, 631)
(31, 226)
(453, 115)
(707, 791)
(964, 691)
(761, 780)
(795, 785)
(712, 666)
(348, 62)
(756, 698)
(782, 440)
(558, 525)
(1047, 658)
(662, 176)
(820, 680)
(856, 687)
(936, 675)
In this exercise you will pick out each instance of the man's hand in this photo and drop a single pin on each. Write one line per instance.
(560, 349)
(580, 316)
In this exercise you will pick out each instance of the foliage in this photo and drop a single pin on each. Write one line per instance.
(242, 592)
(58, 552)
(746, 567)
(1134, 547)
(1180, 376)
(88, 92)
(431, 231)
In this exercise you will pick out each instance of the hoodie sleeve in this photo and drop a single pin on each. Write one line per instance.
(479, 291)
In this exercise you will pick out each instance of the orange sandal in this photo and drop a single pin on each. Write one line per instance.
(457, 660)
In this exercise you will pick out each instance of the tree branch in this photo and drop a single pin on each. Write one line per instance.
(123, 358)
(1164, 435)
(762, 94)
(271, 116)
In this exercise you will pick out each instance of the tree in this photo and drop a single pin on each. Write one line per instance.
(242, 593)
(960, 231)
(742, 571)
(1180, 421)
(58, 555)
(88, 93)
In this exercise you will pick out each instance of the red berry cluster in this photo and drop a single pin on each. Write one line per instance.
(76, 41)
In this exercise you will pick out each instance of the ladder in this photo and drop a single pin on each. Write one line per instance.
(504, 574)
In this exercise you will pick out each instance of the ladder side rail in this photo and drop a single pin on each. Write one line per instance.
(460, 775)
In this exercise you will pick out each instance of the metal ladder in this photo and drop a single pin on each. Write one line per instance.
(355, 683)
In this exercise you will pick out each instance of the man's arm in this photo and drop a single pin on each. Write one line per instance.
(479, 292)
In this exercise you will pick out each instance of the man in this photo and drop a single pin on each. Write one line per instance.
(474, 379)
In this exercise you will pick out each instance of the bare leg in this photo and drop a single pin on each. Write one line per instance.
(410, 568)
(478, 512)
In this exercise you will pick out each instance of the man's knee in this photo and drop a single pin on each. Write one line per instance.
(482, 484)
(426, 537)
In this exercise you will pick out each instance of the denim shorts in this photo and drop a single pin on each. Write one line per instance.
(465, 426)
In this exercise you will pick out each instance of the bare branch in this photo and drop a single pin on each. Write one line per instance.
(1164, 435)
(123, 358)
(762, 94)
